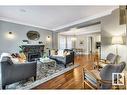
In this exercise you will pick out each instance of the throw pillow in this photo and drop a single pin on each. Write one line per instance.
(68, 53)
(14, 60)
(60, 52)
(22, 56)
(53, 52)
(65, 53)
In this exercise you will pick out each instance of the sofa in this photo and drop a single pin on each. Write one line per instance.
(11, 73)
(63, 59)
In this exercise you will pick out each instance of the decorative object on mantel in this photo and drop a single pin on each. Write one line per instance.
(33, 35)
(40, 42)
(25, 42)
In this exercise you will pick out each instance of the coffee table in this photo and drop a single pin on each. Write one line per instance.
(47, 63)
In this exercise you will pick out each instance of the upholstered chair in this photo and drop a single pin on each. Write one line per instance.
(110, 59)
(11, 73)
(102, 79)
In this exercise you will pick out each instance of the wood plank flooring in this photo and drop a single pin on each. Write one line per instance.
(72, 79)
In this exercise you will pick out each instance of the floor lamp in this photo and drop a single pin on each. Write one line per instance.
(117, 40)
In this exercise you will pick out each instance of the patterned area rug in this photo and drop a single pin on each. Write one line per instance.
(43, 75)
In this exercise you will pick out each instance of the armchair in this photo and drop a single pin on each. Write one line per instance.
(110, 59)
(11, 72)
(102, 79)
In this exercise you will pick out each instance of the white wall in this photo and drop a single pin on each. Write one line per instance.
(111, 27)
(55, 40)
(84, 38)
(19, 31)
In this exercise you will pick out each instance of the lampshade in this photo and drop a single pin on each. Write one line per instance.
(117, 40)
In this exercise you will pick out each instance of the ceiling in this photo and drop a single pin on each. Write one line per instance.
(52, 17)
(85, 30)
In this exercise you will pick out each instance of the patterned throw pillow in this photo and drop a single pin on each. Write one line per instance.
(53, 52)
(15, 60)
(60, 52)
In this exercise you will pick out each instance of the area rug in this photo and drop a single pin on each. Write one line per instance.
(43, 75)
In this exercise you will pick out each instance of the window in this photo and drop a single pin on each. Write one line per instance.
(62, 42)
(69, 42)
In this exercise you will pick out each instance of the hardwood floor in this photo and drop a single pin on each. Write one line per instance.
(72, 79)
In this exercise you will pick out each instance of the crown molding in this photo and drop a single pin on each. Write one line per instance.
(84, 20)
(22, 23)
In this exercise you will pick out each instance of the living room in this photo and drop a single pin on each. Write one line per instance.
(39, 50)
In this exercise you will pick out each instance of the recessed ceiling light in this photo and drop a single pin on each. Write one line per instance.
(23, 10)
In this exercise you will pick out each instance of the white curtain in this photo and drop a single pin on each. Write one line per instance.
(62, 42)
(69, 42)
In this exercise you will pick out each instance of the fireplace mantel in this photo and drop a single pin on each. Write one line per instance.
(32, 45)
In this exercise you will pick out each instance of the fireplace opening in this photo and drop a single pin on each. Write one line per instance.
(33, 56)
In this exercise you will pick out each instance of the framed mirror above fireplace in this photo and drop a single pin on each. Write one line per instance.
(33, 35)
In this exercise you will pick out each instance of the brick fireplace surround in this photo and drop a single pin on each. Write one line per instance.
(33, 52)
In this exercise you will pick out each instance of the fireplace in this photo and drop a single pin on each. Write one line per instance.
(33, 56)
(33, 52)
